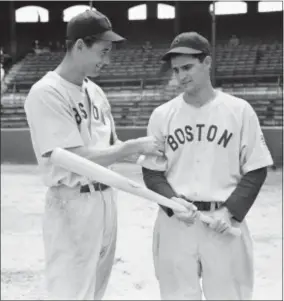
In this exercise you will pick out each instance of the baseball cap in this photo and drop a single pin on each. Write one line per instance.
(91, 23)
(188, 43)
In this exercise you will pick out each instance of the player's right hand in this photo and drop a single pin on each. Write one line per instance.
(189, 216)
(150, 146)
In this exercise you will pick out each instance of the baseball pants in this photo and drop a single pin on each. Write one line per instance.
(191, 260)
(79, 233)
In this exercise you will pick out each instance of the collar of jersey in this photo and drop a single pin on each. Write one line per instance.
(213, 102)
(65, 82)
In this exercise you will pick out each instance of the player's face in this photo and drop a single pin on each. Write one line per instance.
(93, 59)
(190, 73)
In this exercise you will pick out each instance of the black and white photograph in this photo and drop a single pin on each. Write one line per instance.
(141, 150)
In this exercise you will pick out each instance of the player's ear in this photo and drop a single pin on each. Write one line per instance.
(79, 45)
(208, 61)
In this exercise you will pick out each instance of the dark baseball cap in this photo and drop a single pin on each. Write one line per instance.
(91, 23)
(188, 43)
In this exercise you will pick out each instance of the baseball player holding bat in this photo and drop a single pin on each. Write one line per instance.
(216, 159)
(65, 109)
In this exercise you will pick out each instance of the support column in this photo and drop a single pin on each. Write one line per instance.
(13, 38)
(252, 7)
(151, 10)
(213, 45)
(177, 18)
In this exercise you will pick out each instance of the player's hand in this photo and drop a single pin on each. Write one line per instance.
(150, 146)
(189, 215)
(221, 220)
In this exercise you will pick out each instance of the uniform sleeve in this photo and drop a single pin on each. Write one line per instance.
(153, 167)
(154, 129)
(254, 151)
(243, 197)
(113, 137)
(51, 121)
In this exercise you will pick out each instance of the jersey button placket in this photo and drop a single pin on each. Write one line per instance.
(196, 177)
(198, 169)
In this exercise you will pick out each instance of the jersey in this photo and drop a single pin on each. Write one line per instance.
(207, 149)
(62, 114)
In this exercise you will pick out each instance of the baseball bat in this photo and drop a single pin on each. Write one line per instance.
(98, 173)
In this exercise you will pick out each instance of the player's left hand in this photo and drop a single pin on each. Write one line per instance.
(221, 220)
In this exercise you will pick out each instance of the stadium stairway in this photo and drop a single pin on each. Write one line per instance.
(10, 76)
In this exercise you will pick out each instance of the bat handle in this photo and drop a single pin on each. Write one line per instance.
(205, 219)
(208, 220)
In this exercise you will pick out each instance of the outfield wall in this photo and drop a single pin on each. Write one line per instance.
(16, 144)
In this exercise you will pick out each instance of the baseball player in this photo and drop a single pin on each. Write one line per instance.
(215, 159)
(65, 109)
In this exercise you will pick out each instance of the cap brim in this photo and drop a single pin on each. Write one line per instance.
(179, 50)
(111, 36)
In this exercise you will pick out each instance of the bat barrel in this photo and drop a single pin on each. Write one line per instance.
(98, 173)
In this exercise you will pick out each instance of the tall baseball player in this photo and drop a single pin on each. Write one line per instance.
(216, 159)
(65, 109)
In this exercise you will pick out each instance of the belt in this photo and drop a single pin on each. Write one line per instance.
(206, 206)
(97, 187)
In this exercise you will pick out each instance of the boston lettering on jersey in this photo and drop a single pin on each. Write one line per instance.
(188, 134)
(83, 114)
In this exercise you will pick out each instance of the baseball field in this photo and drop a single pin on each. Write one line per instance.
(22, 201)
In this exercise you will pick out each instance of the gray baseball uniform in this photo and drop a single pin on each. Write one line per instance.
(79, 227)
(207, 151)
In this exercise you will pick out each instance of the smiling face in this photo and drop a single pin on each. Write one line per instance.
(92, 57)
(191, 72)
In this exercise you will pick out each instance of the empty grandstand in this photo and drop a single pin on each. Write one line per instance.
(250, 67)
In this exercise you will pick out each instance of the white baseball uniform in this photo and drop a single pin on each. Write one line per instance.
(79, 227)
(207, 150)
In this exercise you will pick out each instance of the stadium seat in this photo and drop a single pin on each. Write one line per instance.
(132, 104)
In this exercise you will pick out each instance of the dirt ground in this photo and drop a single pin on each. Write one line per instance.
(22, 200)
